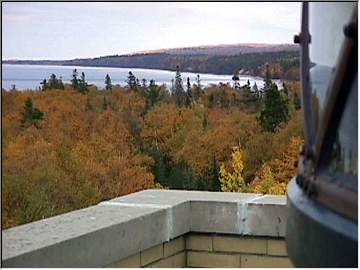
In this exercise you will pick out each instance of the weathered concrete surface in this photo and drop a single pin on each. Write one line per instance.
(88, 237)
(266, 216)
(173, 197)
(116, 229)
(212, 216)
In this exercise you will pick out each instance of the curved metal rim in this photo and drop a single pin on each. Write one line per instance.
(321, 214)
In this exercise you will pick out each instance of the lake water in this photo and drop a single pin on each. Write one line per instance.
(30, 76)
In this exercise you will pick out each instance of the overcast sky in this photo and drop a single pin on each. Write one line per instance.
(77, 30)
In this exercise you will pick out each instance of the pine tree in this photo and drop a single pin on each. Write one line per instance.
(197, 90)
(276, 110)
(52, 80)
(53, 83)
(248, 95)
(152, 94)
(267, 79)
(189, 98)
(108, 85)
(132, 81)
(83, 84)
(75, 80)
(236, 80)
(44, 85)
(179, 94)
(256, 91)
(31, 115)
(79, 84)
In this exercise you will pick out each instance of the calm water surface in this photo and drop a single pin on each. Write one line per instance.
(30, 76)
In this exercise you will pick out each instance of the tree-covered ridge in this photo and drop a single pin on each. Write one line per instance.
(69, 148)
(284, 64)
(225, 49)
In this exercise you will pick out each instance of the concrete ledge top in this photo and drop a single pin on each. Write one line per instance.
(60, 228)
(114, 229)
(173, 197)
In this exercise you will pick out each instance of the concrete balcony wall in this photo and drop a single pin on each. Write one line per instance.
(157, 228)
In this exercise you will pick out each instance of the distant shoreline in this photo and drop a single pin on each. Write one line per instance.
(130, 69)
(27, 63)
(216, 60)
(27, 76)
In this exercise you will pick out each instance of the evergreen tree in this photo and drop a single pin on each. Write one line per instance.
(53, 80)
(236, 80)
(196, 93)
(189, 98)
(31, 115)
(79, 84)
(267, 79)
(44, 85)
(108, 85)
(248, 95)
(276, 110)
(132, 81)
(144, 87)
(256, 91)
(82, 85)
(75, 80)
(155, 94)
(53, 83)
(179, 94)
(152, 94)
(178, 80)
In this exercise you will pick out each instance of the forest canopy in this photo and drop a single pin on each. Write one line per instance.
(69, 146)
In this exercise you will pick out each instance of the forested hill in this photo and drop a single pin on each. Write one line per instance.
(226, 50)
(283, 60)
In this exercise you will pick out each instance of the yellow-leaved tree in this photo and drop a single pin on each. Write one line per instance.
(266, 182)
(275, 174)
(232, 180)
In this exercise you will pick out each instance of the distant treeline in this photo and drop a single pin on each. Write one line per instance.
(284, 64)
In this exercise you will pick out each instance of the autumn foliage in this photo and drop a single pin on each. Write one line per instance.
(80, 151)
